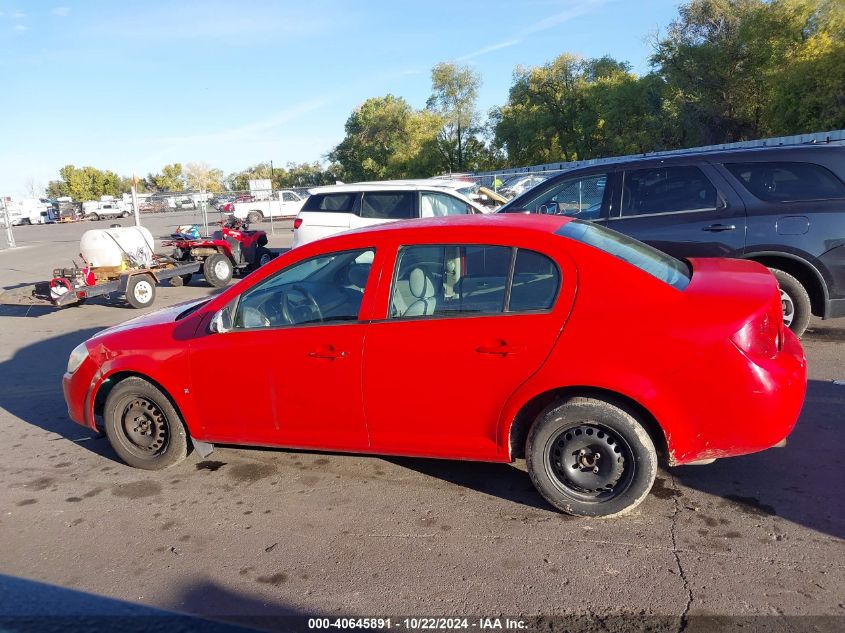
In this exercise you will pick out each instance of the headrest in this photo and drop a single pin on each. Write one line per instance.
(420, 285)
(358, 274)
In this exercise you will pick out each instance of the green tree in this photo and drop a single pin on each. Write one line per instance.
(171, 178)
(86, 183)
(454, 94)
(386, 139)
(814, 69)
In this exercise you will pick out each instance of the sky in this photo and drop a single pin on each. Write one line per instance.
(132, 86)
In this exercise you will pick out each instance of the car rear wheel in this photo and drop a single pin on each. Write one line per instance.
(141, 291)
(143, 426)
(794, 301)
(217, 270)
(253, 217)
(94, 217)
(590, 458)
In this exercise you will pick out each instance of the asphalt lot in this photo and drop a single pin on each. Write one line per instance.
(269, 532)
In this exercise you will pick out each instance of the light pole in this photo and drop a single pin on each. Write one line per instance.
(10, 237)
(135, 200)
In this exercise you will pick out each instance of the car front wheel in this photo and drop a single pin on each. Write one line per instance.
(143, 427)
(590, 458)
(794, 301)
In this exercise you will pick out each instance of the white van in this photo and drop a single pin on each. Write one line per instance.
(338, 208)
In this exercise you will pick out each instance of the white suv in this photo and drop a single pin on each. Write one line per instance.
(338, 208)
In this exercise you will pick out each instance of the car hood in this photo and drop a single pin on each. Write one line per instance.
(165, 315)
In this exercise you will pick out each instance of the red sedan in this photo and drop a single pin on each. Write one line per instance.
(478, 338)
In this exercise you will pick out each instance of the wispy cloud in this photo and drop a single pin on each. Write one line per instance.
(17, 15)
(61, 11)
(250, 130)
(20, 28)
(577, 9)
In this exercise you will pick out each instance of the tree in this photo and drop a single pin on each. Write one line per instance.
(385, 139)
(239, 181)
(454, 93)
(813, 69)
(202, 177)
(171, 178)
(86, 183)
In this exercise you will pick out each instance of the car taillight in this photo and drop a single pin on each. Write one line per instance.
(297, 223)
(761, 336)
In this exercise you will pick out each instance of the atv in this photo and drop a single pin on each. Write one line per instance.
(234, 248)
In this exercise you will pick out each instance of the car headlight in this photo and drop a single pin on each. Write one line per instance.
(79, 354)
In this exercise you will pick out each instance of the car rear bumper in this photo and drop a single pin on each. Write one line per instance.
(751, 406)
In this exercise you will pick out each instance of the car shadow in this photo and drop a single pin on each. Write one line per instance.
(504, 481)
(32, 389)
(798, 482)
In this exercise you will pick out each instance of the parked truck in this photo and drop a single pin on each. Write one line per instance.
(285, 204)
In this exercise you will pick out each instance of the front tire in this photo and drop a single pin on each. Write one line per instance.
(141, 291)
(218, 270)
(94, 217)
(143, 426)
(590, 458)
(794, 301)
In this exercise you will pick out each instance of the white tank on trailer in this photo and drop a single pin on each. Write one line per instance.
(103, 248)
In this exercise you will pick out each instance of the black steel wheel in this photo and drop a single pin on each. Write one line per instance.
(588, 457)
(143, 426)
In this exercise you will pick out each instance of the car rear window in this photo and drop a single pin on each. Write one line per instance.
(787, 181)
(336, 202)
(650, 260)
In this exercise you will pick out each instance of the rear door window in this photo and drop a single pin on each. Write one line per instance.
(337, 202)
(388, 205)
(787, 181)
(667, 190)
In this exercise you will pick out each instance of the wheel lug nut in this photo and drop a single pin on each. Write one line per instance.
(582, 452)
(596, 470)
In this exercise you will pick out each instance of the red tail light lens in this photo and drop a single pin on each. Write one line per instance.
(297, 223)
(761, 335)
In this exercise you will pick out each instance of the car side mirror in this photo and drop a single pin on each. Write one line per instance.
(221, 322)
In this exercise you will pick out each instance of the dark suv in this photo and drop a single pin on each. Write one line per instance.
(781, 206)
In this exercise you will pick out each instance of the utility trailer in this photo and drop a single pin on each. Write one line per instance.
(138, 285)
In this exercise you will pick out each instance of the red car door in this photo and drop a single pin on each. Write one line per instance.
(438, 371)
(289, 376)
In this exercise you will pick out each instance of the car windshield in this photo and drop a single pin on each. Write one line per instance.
(648, 259)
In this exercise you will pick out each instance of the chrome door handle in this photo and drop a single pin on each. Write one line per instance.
(715, 228)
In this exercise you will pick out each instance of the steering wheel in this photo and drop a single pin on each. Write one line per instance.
(287, 309)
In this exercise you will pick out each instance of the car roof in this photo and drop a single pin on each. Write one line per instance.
(504, 222)
(386, 185)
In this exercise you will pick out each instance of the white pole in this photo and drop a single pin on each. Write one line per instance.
(135, 206)
(204, 209)
(10, 237)
(135, 209)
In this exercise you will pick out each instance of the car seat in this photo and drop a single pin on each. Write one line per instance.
(421, 288)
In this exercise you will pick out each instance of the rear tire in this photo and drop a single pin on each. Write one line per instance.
(253, 217)
(143, 426)
(218, 270)
(795, 302)
(590, 458)
(94, 217)
(141, 291)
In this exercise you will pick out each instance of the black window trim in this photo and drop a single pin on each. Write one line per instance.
(508, 286)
